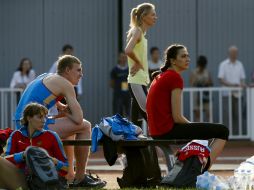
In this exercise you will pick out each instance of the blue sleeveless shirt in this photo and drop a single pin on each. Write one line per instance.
(37, 92)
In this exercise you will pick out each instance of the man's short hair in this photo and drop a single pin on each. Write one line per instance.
(66, 46)
(152, 49)
(66, 61)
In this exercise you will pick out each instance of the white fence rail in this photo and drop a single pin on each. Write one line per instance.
(232, 106)
(8, 103)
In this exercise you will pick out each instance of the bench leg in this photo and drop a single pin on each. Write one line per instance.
(169, 156)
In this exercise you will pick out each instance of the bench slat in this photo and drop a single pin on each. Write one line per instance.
(127, 142)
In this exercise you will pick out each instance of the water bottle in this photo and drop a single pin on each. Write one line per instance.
(239, 179)
(244, 175)
(251, 175)
(206, 181)
(221, 184)
(202, 182)
(209, 181)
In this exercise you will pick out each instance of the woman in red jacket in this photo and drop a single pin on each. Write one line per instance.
(31, 134)
(165, 119)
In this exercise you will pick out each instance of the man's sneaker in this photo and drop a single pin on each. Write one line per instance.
(97, 178)
(89, 182)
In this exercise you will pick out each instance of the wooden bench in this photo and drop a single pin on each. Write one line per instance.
(126, 143)
(164, 145)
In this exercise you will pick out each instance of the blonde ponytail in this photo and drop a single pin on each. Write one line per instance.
(136, 16)
(133, 15)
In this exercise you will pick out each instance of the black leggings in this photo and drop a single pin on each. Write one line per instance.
(202, 131)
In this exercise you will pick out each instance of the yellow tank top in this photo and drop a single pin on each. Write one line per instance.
(142, 76)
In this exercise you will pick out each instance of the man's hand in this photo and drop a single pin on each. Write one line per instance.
(63, 111)
(60, 106)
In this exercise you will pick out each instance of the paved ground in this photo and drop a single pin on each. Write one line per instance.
(234, 153)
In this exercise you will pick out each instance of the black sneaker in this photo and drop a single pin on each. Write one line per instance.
(97, 178)
(63, 183)
(89, 182)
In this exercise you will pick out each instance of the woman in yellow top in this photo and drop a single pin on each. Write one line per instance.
(142, 18)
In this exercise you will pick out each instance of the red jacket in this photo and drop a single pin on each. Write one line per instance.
(193, 149)
(49, 140)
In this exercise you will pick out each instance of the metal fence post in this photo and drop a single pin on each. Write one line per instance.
(250, 112)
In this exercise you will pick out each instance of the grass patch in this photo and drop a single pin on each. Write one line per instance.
(160, 188)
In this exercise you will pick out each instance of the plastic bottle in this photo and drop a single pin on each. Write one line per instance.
(240, 178)
(244, 175)
(251, 175)
(202, 182)
(209, 181)
(206, 181)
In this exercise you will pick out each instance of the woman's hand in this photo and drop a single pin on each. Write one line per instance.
(55, 161)
(135, 68)
(20, 85)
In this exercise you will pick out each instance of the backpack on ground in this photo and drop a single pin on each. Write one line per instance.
(188, 166)
(142, 168)
(42, 171)
(183, 174)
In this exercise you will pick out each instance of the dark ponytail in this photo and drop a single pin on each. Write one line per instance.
(170, 53)
(155, 73)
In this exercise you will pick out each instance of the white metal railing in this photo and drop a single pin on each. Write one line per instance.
(8, 103)
(231, 106)
(216, 107)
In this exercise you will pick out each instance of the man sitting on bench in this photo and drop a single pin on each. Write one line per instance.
(48, 89)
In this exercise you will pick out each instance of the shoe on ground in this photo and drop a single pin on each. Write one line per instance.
(96, 178)
(90, 182)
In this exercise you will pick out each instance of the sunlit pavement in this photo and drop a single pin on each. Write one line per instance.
(234, 153)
